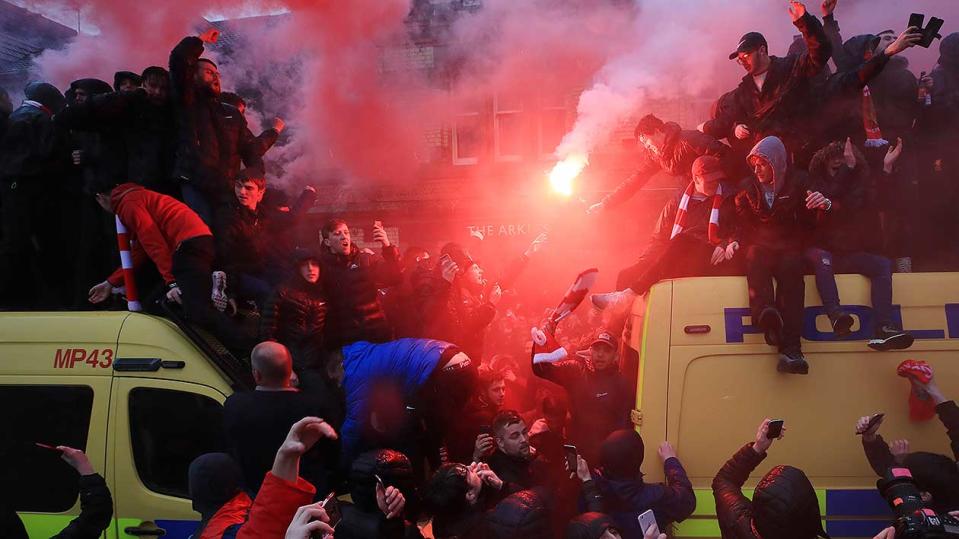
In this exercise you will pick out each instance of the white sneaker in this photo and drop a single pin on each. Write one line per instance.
(613, 300)
(219, 291)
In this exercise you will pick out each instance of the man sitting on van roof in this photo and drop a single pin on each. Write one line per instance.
(693, 237)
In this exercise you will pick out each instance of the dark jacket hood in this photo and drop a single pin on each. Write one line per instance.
(588, 526)
(391, 466)
(621, 455)
(522, 515)
(949, 51)
(785, 505)
(214, 478)
(857, 46)
(46, 94)
(90, 86)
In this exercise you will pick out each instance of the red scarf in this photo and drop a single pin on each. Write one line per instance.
(680, 223)
(870, 121)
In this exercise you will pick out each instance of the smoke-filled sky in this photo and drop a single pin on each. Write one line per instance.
(343, 110)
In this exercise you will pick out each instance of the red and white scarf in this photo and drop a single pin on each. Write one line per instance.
(680, 223)
(870, 120)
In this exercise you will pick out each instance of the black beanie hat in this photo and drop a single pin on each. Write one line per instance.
(121, 76)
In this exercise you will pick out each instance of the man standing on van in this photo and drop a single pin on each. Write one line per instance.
(773, 212)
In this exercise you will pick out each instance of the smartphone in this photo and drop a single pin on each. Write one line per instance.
(646, 521)
(377, 223)
(48, 447)
(916, 20)
(775, 429)
(332, 508)
(931, 32)
(486, 429)
(873, 421)
(572, 462)
(379, 481)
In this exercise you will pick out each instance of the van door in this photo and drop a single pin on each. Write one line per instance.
(160, 427)
(52, 410)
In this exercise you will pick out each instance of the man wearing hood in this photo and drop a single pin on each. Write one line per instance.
(352, 278)
(213, 137)
(166, 232)
(126, 81)
(626, 495)
(592, 526)
(33, 160)
(667, 148)
(889, 109)
(784, 505)
(216, 488)
(376, 479)
(773, 213)
(773, 94)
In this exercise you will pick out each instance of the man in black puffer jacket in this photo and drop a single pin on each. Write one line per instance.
(295, 316)
(784, 506)
(670, 149)
(369, 515)
(212, 136)
(352, 278)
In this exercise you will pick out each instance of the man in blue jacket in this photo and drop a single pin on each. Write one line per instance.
(435, 377)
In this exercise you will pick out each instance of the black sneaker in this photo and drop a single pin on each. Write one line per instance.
(841, 324)
(891, 338)
(791, 361)
(771, 322)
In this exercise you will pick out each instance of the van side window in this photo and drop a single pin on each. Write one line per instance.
(36, 479)
(169, 429)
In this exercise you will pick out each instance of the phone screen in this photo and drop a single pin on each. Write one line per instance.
(775, 429)
(646, 521)
(571, 457)
(916, 20)
(332, 508)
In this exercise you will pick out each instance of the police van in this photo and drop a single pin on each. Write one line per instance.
(143, 396)
(706, 379)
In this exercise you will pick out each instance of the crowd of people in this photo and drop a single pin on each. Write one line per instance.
(410, 384)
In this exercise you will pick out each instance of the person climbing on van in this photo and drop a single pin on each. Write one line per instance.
(784, 505)
(693, 237)
(773, 213)
(844, 241)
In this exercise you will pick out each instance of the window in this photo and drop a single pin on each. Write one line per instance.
(508, 127)
(36, 479)
(169, 429)
(552, 122)
(467, 138)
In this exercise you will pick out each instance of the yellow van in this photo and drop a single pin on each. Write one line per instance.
(706, 379)
(141, 394)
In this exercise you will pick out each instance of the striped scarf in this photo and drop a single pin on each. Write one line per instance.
(680, 223)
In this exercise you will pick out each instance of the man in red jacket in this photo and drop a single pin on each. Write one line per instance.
(171, 235)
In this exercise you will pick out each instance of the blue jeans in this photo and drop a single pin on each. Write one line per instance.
(877, 268)
(198, 202)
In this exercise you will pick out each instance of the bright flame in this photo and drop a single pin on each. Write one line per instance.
(562, 176)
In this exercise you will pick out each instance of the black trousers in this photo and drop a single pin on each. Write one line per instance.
(786, 266)
(682, 256)
(192, 268)
(36, 268)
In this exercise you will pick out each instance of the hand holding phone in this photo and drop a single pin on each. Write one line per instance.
(332, 508)
(646, 521)
(571, 454)
(868, 426)
(775, 429)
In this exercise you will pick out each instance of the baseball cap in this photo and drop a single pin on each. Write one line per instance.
(708, 167)
(749, 43)
(605, 337)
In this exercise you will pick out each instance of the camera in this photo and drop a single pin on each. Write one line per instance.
(913, 519)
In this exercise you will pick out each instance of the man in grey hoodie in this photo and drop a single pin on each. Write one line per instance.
(774, 212)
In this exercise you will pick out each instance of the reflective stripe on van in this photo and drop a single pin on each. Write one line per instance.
(849, 513)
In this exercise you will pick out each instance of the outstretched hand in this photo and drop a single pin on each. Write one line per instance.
(77, 459)
(302, 436)
(796, 10)
(828, 6)
(892, 156)
(908, 38)
(210, 36)
(762, 443)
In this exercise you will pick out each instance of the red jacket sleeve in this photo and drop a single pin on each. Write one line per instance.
(145, 231)
(274, 507)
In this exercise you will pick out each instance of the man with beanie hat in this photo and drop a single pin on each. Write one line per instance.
(599, 396)
(126, 81)
(626, 495)
(784, 505)
(773, 93)
(33, 159)
(773, 213)
(694, 237)
(215, 483)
